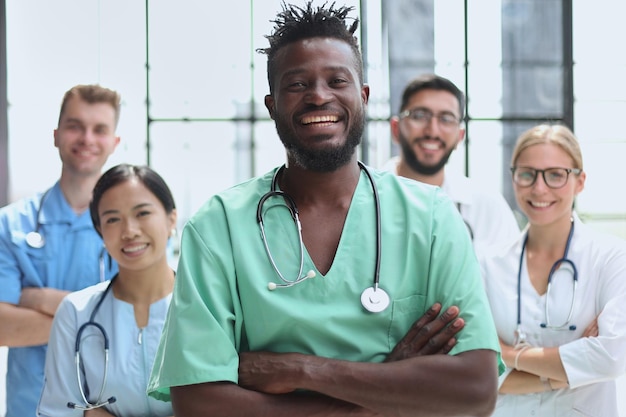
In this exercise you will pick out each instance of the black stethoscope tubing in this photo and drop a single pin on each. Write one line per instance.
(376, 295)
(564, 259)
(77, 357)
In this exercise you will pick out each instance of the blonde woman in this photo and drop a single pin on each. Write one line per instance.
(558, 292)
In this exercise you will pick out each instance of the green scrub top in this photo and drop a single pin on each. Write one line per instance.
(222, 305)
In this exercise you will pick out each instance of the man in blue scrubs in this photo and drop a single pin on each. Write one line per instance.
(48, 246)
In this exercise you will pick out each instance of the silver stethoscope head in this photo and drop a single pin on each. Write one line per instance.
(35, 239)
(374, 299)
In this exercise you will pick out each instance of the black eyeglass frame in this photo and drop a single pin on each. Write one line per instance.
(575, 171)
(441, 117)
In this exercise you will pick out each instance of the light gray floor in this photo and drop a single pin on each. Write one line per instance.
(621, 386)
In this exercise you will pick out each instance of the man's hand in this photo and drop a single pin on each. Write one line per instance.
(277, 373)
(430, 335)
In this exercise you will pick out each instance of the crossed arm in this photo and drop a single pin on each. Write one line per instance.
(417, 378)
(28, 323)
(98, 412)
(538, 368)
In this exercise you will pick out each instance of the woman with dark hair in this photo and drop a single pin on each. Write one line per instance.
(104, 338)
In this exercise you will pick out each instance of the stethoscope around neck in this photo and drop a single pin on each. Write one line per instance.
(89, 405)
(374, 298)
(520, 335)
(35, 239)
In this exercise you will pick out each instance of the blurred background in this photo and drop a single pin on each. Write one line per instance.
(192, 87)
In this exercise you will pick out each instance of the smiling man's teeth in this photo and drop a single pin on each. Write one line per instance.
(430, 146)
(539, 204)
(133, 249)
(319, 119)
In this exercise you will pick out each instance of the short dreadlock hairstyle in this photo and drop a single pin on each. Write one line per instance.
(295, 23)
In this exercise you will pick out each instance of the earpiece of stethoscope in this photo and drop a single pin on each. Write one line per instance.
(375, 299)
(272, 285)
(72, 405)
(35, 240)
(571, 327)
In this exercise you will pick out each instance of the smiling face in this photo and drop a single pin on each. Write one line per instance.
(541, 204)
(318, 103)
(134, 225)
(85, 136)
(426, 145)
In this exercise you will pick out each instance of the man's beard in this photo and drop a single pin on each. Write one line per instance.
(326, 159)
(411, 159)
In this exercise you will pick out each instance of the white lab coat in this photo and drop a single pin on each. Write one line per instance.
(131, 353)
(591, 364)
(486, 213)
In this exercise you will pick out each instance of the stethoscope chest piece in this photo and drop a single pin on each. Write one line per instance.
(374, 299)
(35, 240)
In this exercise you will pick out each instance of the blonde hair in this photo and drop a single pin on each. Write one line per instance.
(558, 135)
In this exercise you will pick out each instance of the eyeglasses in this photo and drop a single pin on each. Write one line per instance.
(552, 177)
(422, 117)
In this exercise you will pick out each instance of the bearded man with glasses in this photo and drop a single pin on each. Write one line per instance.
(428, 129)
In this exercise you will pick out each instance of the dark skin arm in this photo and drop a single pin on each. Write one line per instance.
(409, 382)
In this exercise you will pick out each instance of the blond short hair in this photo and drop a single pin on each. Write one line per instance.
(558, 135)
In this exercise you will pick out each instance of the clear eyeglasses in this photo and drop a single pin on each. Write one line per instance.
(423, 117)
(552, 177)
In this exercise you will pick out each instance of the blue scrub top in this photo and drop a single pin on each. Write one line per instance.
(131, 353)
(69, 260)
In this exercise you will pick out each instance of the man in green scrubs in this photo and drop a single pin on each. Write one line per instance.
(279, 326)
